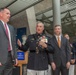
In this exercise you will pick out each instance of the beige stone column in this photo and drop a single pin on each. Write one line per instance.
(56, 12)
(31, 20)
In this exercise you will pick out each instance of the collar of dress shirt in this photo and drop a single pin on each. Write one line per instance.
(57, 37)
(3, 22)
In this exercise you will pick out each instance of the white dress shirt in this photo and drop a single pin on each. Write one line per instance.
(57, 37)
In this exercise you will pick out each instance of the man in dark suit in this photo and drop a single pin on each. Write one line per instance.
(60, 60)
(7, 43)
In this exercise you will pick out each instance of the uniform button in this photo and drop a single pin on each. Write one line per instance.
(43, 57)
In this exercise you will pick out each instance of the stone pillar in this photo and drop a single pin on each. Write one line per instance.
(56, 12)
(31, 20)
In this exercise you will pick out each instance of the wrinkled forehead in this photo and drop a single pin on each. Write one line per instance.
(6, 10)
(40, 24)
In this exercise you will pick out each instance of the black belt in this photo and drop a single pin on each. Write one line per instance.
(36, 51)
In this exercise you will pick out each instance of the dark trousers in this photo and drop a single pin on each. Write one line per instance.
(63, 70)
(6, 69)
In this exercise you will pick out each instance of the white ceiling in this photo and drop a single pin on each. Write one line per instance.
(16, 6)
(4, 3)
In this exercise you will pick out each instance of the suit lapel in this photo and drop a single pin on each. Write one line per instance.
(55, 40)
(3, 28)
(62, 41)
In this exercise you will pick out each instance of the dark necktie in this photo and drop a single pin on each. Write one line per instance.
(6, 29)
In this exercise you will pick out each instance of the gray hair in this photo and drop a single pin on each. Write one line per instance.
(39, 22)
